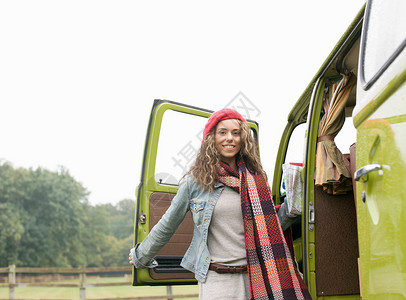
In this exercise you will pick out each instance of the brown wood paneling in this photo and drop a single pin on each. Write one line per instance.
(157, 276)
(336, 244)
(180, 241)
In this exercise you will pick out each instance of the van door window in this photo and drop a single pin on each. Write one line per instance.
(385, 37)
(179, 142)
(295, 151)
(296, 144)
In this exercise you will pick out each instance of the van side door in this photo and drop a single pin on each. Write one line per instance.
(380, 120)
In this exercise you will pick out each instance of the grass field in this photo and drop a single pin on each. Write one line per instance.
(107, 292)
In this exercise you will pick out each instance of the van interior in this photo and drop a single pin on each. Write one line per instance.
(335, 227)
(336, 238)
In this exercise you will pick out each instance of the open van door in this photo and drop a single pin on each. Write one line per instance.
(380, 120)
(173, 139)
(325, 241)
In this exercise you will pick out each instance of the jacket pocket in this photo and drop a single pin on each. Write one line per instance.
(197, 210)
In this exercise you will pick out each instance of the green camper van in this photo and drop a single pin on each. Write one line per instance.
(347, 134)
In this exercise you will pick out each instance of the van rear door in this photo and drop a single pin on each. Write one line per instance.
(173, 139)
(380, 119)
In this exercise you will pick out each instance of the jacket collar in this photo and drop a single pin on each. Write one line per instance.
(218, 184)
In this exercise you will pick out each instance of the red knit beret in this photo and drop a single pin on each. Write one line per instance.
(218, 116)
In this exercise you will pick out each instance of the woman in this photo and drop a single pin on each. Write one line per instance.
(238, 250)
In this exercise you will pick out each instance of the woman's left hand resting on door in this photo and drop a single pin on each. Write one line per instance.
(130, 259)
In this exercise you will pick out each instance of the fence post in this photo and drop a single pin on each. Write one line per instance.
(11, 281)
(82, 285)
(169, 292)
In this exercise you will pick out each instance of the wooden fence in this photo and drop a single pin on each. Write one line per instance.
(82, 285)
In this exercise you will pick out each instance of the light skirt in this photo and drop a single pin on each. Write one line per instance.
(225, 286)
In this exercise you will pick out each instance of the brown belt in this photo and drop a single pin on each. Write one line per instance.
(227, 269)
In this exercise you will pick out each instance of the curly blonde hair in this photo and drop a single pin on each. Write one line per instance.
(204, 169)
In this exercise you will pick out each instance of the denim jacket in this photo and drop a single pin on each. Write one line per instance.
(190, 196)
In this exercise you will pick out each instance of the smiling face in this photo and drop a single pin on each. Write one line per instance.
(228, 140)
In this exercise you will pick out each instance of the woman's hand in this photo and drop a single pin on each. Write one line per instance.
(130, 259)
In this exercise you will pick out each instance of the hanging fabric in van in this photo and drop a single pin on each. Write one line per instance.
(332, 169)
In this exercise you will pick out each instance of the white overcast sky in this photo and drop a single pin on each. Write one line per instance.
(78, 78)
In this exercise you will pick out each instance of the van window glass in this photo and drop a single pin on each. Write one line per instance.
(346, 136)
(179, 141)
(295, 151)
(386, 31)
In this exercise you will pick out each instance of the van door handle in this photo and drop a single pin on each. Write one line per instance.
(360, 174)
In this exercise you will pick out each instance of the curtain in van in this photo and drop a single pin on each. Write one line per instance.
(332, 169)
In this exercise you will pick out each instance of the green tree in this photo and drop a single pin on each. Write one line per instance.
(47, 221)
(94, 235)
(56, 214)
(12, 197)
(117, 253)
(111, 228)
(46, 208)
(11, 230)
(122, 219)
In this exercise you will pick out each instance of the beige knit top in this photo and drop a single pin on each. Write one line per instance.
(226, 241)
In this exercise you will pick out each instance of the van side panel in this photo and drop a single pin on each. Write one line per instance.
(381, 199)
(380, 119)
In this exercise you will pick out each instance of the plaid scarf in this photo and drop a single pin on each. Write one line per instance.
(271, 270)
